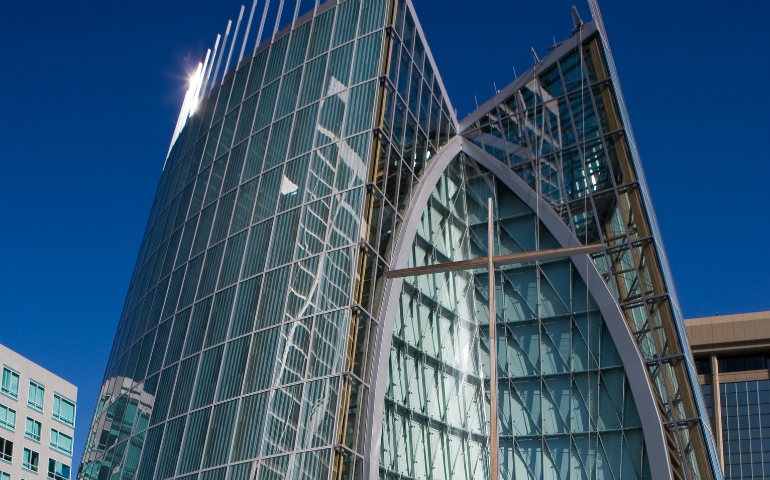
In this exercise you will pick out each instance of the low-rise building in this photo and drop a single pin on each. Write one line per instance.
(731, 354)
(37, 421)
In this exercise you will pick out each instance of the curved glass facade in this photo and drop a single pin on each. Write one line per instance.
(257, 320)
(233, 341)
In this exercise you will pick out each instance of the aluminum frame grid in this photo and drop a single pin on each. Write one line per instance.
(744, 424)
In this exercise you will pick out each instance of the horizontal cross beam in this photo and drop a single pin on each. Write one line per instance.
(498, 261)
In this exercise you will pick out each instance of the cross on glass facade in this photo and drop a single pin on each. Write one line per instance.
(491, 261)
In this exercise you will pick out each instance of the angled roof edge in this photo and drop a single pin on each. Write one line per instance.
(588, 29)
(711, 447)
(636, 158)
(429, 55)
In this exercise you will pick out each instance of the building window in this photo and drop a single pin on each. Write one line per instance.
(6, 450)
(61, 442)
(36, 395)
(703, 366)
(10, 385)
(58, 470)
(744, 426)
(5, 476)
(63, 410)
(32, 429)
(742, 363)
(7, 417)
(31, 460)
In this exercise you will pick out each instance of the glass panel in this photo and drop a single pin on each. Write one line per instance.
(8, 418)
(293, 184)
(248, 431)
(64, 410)
(220, 317)
(312, 465)
(284, 234)
(289, 91)
(257, 71)
(36, 395)
(347, 21)
(256, 154)
(298, 47)
(282, 420)
(322, 33)
(220, 434)
(313, 81)
(360, 108)
(245, 307)
(279, 142)
(368, 53)
(256, 252)
(10, 384)
(304, 129)
(277, 56)
(195, 437)
(259, 373)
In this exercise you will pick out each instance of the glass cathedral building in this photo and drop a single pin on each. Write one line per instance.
(261, 339)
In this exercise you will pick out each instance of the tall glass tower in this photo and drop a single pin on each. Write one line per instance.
(261, 338)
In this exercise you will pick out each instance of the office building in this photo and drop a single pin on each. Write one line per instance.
(265, 336)
(37, 421)
(731, 357)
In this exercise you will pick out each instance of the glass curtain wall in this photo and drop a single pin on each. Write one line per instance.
(745, 427)
(413, 122)
(565, 406)
(237, 354)
(562, 133)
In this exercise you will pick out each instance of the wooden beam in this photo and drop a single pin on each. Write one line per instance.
(498, 261)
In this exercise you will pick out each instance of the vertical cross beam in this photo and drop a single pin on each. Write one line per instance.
(493, 463)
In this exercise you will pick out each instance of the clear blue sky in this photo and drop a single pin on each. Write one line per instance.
(91, 92)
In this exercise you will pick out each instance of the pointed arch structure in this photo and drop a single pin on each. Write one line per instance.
(641, 388)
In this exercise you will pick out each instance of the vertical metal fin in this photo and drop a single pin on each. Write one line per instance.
(200, 82)
(535, 58)
(211, 65)
(248, 29)
(278, 18)
(576, 18)
(296, 12)
(232, 44)
(494, 466)
(262, 24)
(219, 60)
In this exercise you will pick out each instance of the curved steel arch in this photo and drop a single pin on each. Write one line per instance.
(652, 426)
